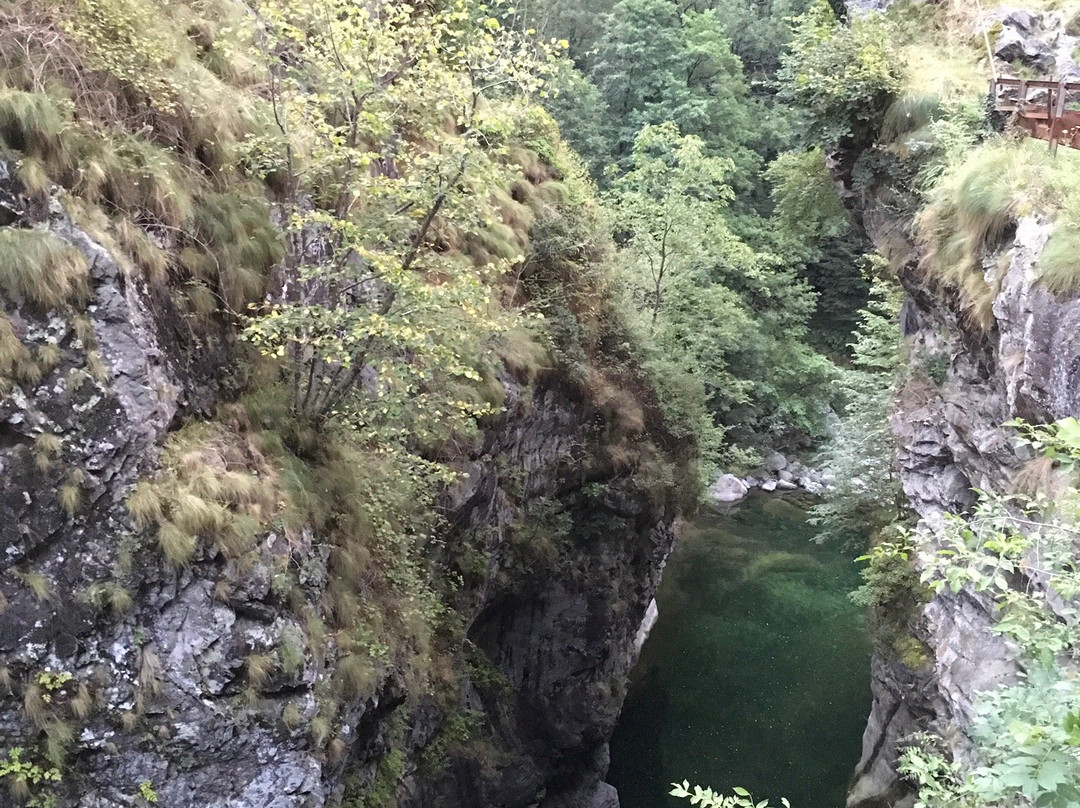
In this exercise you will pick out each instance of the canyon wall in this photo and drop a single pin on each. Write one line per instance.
(964, 381)
(147, 690)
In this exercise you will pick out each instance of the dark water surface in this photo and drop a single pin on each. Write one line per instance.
(757, 673)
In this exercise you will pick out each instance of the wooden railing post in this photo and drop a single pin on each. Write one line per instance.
(1055, 117)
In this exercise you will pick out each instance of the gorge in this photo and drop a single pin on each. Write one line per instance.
(364, 366)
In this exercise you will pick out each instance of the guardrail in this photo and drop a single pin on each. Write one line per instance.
(1046, 109)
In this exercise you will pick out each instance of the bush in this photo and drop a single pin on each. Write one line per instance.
(843, 76)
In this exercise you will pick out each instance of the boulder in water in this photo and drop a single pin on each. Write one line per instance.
(727, 489)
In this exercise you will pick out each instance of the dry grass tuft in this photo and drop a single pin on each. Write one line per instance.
(110, 597)
(258, 668)
(59, 735)
(42, 270)
(48, 357)
(37, 583)
(47, 447)
(177, 544)
(15, 358)
(291, 716)
(144, 505)
(215, 484)
(71, 492)
(523, 353)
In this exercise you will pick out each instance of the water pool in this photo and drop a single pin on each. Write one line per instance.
(757, 672)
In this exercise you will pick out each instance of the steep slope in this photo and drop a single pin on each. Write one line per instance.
(211, 600)
(987, 342)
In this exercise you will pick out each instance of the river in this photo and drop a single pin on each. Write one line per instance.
(757, 672)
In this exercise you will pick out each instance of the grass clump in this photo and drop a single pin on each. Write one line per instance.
(258, 668)
(47, 448)
(973, 209)
(144, 505)
(109, 597)
(234, 243)
(215, 484)
(31, 123)
(36, 583)
(16, 361)
(71, 492)
(41, 269)
(971, 212)
(177, 544)
(1059, 264)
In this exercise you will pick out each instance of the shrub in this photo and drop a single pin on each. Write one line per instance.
(843, 76)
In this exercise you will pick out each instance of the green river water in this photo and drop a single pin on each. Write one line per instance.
(757, 672)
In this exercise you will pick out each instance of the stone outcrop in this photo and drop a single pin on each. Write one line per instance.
(1040, 42)
(155, 691)
(964, 383)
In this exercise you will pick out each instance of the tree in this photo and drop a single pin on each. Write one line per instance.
(582, 113)
(388, 140)
(865, 495)
(733, 318)
(759, 30)
(843, 77)
(811, 227)
(655, 64)
(667, 206)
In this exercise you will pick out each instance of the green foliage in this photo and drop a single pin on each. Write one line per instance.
(808, 206)
(385, 297)
(717, 312)
(707, 798)
(865, 493)
(759, 30)
(147, 792)
(26, 778)
(656, 64)
(1019, 552)
(894, 595)
(579, 107)
(382, 793)
(843, 76)
(973, 208)
(457, 729)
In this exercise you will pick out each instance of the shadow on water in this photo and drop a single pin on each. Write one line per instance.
(757, 672)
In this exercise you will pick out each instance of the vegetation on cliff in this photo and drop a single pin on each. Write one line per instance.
(368, 217)
(928, 154)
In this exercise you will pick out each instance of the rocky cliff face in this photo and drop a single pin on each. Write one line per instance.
(146, 691)
(964, 383)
